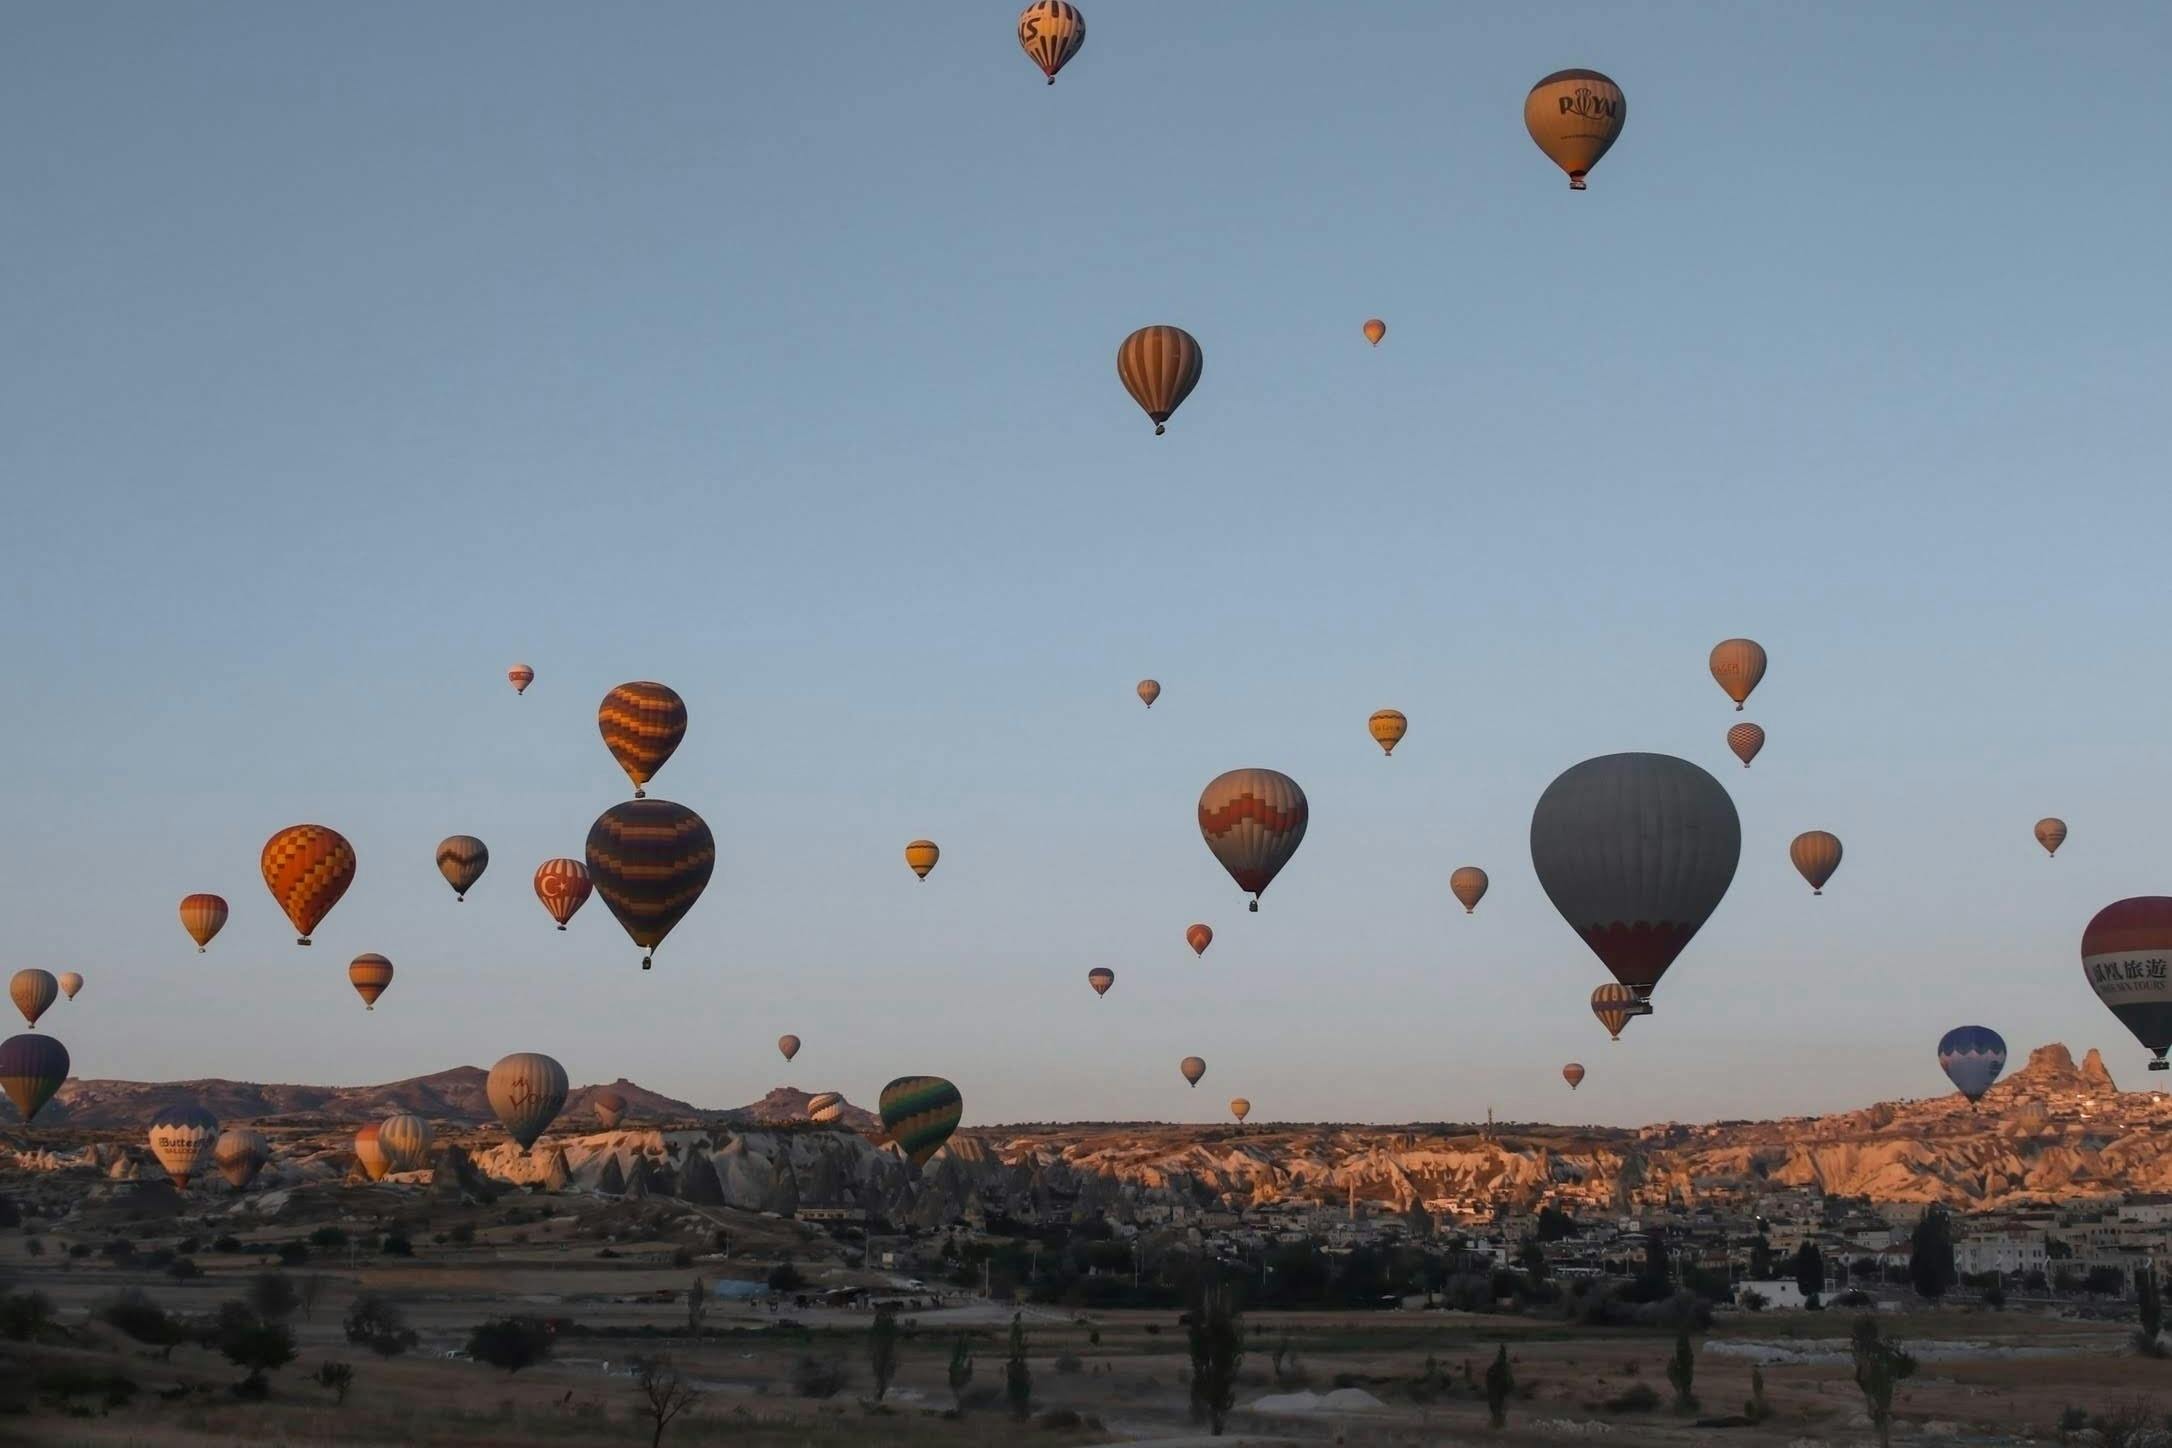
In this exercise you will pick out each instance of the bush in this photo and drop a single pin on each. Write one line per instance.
(61, 1382)
(396, 1244)
(785, 1277)
(226, 1242)
(1068, 1363)
(119, 1251)
(10, 1214)
(378, 1324)
(328, 1236)
(1639, 1398)
(181, 1269)
(139, 1317)
(463, 1233)
(511, 1343)
(336, 1379)
(272, 1295)
(249, 1341)
(294, 1254)
(814, 1377)
(24, 1315)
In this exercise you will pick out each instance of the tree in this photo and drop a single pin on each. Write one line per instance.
(1761, 1259)
(1682, 1372)
(1757, 1410)
(134, 1313)
(1879, 1366)
(2149, 1306)
(1810, 1273)
(1500, 1382)
(312, 1288)
(378, 1324)
(1555, 1224)
(697, 1306)
(248, 1340)
(335, 1378)
(511, 1343)
(785, 1277)
(666, 1392)
(882, 1349)
(272, 1295)
(961, 1370)
(1930, 1257)
(1217, 1344)
(1017, 1377)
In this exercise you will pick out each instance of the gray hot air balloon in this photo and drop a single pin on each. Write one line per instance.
(240, 1154)
(1635, 851)
(1193, 1068)
(527, 1090)
(405, 1140)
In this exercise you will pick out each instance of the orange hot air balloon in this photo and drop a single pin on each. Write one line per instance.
(642, 724)
(1614, 1004)
(788, 1046)
(1159, 366)
(1737, 665)
(1199, 937)
(1375, 330)
(1816, 855)
(1253, 820)
(922, 855)
(1240, 1108)
(1745, 740)
(1149, 691)
(1468, 884)
(520, 676)
(307, 868)
(1193, 1068)
(1388, 726)
(564, 887)
(1573, 1074)
(1101, 978)
(1051, 32)
(1575, 116)
(369, 1153)
(2051, 833)
(369, 975)
(33, 992)
(203, 916)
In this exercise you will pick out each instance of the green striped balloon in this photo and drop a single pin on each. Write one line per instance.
(919, 1113)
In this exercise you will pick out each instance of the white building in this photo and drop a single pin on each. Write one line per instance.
(2007, 1252)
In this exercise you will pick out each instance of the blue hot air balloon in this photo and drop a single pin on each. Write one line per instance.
(1972, 1057)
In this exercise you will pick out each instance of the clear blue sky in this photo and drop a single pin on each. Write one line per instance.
(353, 354)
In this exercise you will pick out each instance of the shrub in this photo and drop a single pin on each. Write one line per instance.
(249, 1341)
(463, 1233)
(1500, 1382)
(79, 1249)
(181, 1269)
(293, 1253)
(1638, 1398)
(188, 1246)
(378, 1324)
(818, 1377)
(1757, 1410)
(328, 1236)
(272, 1295)
(118, 1251)
(336, 1379)
(396, 1244)
(10, 1214)
(226, 1242)
(61, 1382)
(511, 1343)
(785, 1277)
(24, 1315)
(135, 1314)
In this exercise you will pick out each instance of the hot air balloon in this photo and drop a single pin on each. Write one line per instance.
(369, 974)
(921, 855)
(1745, 740)
(527, 1090)
(1159, 367)
(1199, 937)
(307, 868)
(2051, 833)
(920, 1113)
(610, 1109)
(1149, 691)
(1737, 665)
(239, 1155)
(1575, 116)
(405, 1140)
(1388, 726)
(563, 886)
(1051, 32)
(1253, 821)
(650, 859)
(1101, 978)
(1972, 1057)
(183, 1138)
(1573, 1074)
(1468, 884)
(1193, 1068)
(825, 1106)
(369, 1152)
(1375, 330)
(1614, 1004)
(642, 724)
(520, 676)
(461, 859)
(70, 983)
(31, 1070)
(1635, 851)
(1240, 1108)
(1816, 855)
(204, 916)
(2127, 959)
(33, 990)
(788, 1045)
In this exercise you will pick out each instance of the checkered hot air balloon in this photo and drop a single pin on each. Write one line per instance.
(307, 868)
(1253, 820)
(1746, 740)
(650, 859)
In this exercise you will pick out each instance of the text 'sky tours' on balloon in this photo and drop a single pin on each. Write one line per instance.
(642, 724)
(1737, 666)
(1051, 32)
(203, 916)
(1636, 851)
(1575, 116)
(650, 860)
(919, 1113)
(1972, 1057)
(1468, 884)
(32, 1068)
(1159, 366)
(2126, 956)
(527, 1090)
(563, 886)
(307, 868)
(1253, 820)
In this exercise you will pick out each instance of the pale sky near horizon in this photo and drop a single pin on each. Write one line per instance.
(353, 354)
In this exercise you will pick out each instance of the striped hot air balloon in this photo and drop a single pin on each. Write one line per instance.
(563, 886)
(1199, 937)
(610, 1109)
(527, 1090)
(1192, 1068)
(204, 916)
(642, 725)
(70, 983)
(1149, 691)
(1051, 32)
(921, 855)
(1159, 366)
(461, 859)
(919, 1113)
(369, 974)
(405, 1139)
(1737, 666)
(1253, 821)
(239, 1155)
(369, 1152)
(1375, 330)
(825, 1106)
(520, 676)
(650, 859)
(33, 992)
(1636, 851)
(1972, 1057)
(32, 1068)
(1468, 884)
(1746, 740)
(1101, 978)
(307, 868)
(1816, 855)
(1388, 726)
(1614, 1004)
(1575, 116)
(788, 1046)
(2124, 953)
(183, 1138)
(2051, 833)
(1573, 1073)
(1240, 1108)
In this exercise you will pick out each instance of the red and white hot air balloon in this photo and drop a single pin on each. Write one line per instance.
(1253, 820)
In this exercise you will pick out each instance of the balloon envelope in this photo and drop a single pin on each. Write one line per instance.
(1101, 978)
(1240, 1108)
(1575, 116)
(1387, 726)
(1972, 1057)
(650, 859)
(642, 724)
(32, 1068)
(183, 1138)
(369, 1152)
(1149, 691)
(203, 916)
(2051, 833)
(240, 1154)
(825, 1106)
(70, 983)
(1193, 1068)
(1816, 855)
(527, 1090)
(405, 1138)
(520, 676)
(33, 991)
(1737, 666)
(1199, 937)
(1253, 820)
(461, 859)
(2125, 952)
(1375, 330)
(1573, 1074)
(788, 1045)
(1746, 740)
(921, 856)
(920, 1113)
(307, 868)
(1159, 366)
(563, 886)
(1051, 32)
(1468, 884)
(610, 1109)
(369, 974)
(1614, 1004)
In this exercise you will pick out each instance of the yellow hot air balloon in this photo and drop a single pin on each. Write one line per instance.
(922, 855)
(369, 1152)
(405, 1141)
(33, 992)
(1573, 1074)
(369, 974)
(202, 916)
(1240, 1108)
(1614, 1004)
(1575, 116)
(1388, 727)
(1193, 1068)
(1159, 366)
(1816, 855)
(1737, 665)
(1375, 330)
(788, 1046)
(1468, 884)
(2050, 833)
(1149, 691)
(1051, 32)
